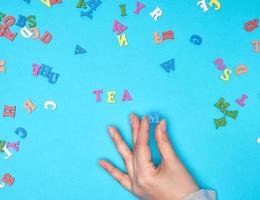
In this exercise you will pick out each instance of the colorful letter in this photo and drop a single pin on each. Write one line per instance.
(21, 21)
(25, 32)
(44, 70)
(117, 26)
(8, 179)
(122, 40)
(9, 111)
(2, 66)
(88, 14)
(2, 185)
(126, 96)
(123, 12)
(203, 5)
(220, 64)
(9, 21)
(93, 4)
(46, 2)
(220, 122)
(29, 106)
(2, 144)
(81, 4)
(167, 35)
(46, 38)
(53, 77)
(111, 97)
(157, 38)
(169, 65)
(22, 131)
(251, 25)
(153, 118)
(242, 100)
(232, 114)
(15, 145)
(98, 93)
(216, 3)
(139, 6)
(5, 32)
(156, 13)
(256, 45)
(2, 15)
(241, 69)
(36, 33)
(36, 68)
(195, 39)
(52, 2)
(221, 105)
(50, 105)
(227, 73)
(31, 21)
(8, 153)
(79, 50)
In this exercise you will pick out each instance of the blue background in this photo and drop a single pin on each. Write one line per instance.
(58, 159)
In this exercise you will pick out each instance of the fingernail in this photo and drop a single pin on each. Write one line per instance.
(144, 119)
(111, 131)
(163, 125)
(101, 163)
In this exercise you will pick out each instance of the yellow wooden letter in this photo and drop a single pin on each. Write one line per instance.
(226, 76)
(111, 97)
(216, 3)
(46, 2)
(122, 40)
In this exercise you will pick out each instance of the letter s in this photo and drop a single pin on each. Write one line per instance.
(227, 73)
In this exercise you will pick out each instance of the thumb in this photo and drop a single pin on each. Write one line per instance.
(164, 145)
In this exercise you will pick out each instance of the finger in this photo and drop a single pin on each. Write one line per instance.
(142, 153)
(122, 178)
(135, 123)
(123, 149)
(143, 132)
(165, 148)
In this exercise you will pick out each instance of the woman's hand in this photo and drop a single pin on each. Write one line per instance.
(169, 181)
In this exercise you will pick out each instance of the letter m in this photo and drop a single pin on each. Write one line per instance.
(168, 65)
(153, 117)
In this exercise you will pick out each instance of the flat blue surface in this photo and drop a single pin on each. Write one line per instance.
(58, 159)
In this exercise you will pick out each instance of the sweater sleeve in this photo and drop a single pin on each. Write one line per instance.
(201, 195)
